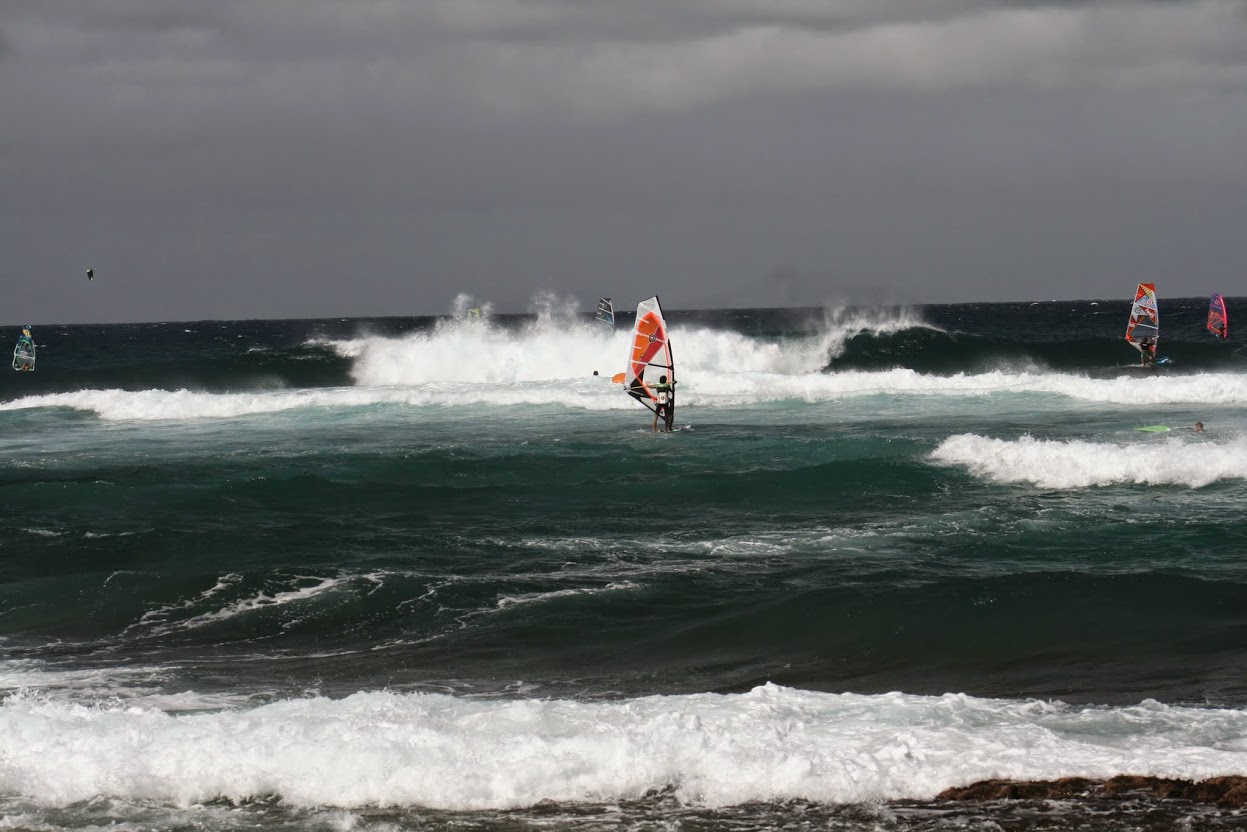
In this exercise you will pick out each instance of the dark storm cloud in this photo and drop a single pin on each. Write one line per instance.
(303, 157)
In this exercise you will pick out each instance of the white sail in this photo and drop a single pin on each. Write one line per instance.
(606, 313)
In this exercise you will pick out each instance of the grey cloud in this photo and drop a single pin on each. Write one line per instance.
(308, 157)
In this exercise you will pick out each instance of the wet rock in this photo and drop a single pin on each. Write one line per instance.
(1066, 787)
(1230, 792)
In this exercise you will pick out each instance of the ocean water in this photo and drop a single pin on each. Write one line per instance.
(432, 573)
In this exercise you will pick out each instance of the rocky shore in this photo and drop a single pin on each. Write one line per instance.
(1228, 792)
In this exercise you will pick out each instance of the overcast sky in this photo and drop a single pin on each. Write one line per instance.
(309, 158)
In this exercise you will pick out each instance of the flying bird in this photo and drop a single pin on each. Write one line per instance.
(90, 274)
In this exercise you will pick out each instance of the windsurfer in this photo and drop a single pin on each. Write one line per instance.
(651, 349)
(663, 393)
(24, 352)
(1147, 352)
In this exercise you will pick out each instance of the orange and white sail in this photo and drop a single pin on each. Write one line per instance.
(649, 354)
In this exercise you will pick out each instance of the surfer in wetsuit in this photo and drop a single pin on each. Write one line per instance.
(1147, 352)
(663, 395)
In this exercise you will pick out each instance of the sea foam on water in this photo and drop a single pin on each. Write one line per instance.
(439, 751)
(1076, 463)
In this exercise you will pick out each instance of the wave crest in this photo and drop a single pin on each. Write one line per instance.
(1067, 464)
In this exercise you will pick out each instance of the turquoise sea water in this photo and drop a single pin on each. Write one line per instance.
(413, 573)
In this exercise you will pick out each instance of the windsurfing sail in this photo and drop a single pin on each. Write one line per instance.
(1143, 329)
(649, 359)
(1218, 323)
(606, 313)
(24, 352)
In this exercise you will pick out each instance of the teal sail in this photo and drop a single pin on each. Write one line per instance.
(24, 352)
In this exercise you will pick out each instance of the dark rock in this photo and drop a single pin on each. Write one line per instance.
(1020, 790)
(1228, 792)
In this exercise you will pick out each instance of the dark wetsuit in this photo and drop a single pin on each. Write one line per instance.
(665, 404)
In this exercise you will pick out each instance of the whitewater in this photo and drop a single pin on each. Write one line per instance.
(771, 743)
(469, 361)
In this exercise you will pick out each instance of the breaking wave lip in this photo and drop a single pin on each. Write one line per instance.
(550, 361)
(716, 750)
(559, 345)
(1074, 463)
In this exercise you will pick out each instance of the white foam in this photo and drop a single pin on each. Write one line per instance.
(439, 751)
(559, 345)
(159, 619)
(506, 601)
(473, 361)
(25, 674)
(1148, 460)
(162, 613)
(132, 685)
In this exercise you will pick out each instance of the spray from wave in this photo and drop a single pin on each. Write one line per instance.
(561, 343)
(468, 306)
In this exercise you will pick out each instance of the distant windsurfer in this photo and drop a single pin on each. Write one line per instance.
(1218, 323)
(1147, 352)
(24, 353)
(664, 400)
